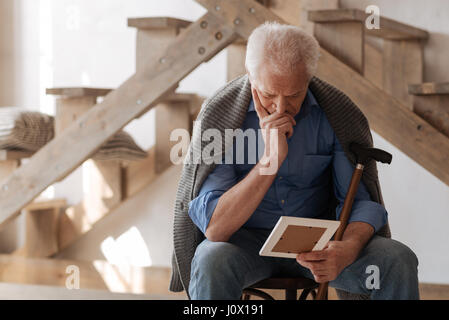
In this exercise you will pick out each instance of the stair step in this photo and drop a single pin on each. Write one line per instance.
(6, 155)
(46, 204)
(180, 97)
(157, 23)
(389, 29)
(429, 88)
(73, 92)
(431, 102)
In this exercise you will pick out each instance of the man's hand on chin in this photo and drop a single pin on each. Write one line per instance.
(328, 263)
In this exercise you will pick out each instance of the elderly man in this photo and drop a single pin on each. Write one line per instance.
(234, 207)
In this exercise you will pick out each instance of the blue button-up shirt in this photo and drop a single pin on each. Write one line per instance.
(303, 182)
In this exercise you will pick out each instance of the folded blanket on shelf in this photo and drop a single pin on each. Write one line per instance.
(29, 131)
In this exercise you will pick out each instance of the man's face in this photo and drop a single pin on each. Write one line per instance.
(284, 93)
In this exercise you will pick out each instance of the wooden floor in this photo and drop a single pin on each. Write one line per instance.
(10, 291)
(156, 283)
(427, 291)
(13, 291)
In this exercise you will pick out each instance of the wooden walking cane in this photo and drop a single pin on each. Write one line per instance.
(363, 155)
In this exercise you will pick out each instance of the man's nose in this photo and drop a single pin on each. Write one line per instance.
(281, 105)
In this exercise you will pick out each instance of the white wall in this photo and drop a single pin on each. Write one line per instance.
(19, 53)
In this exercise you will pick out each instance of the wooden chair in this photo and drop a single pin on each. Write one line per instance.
(290, 285)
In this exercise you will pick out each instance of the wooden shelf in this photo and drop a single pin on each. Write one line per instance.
(98, 92)
(389, 29)
(157, 23)
(78, 92)
(180, 97)
(429, 88)
(46, 204)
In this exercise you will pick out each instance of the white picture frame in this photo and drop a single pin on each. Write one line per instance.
(310, 229)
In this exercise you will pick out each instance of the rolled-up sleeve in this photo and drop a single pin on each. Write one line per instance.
(220, 180)
(364, 209)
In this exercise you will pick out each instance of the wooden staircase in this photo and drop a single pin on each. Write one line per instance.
(400, 57)
(350, 60)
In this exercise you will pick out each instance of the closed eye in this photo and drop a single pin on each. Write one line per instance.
(268, 96)
(296, 95)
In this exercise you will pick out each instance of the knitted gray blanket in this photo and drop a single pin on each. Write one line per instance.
(227, 109)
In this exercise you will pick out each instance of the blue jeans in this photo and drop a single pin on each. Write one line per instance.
(221, 270)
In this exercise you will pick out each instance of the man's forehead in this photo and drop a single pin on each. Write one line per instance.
(291, 90)
(279, 88)
(287, 84)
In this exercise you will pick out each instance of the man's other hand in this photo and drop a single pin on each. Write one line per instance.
(328, 263)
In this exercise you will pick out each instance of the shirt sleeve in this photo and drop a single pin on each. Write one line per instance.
(363, 208)
(220, 180)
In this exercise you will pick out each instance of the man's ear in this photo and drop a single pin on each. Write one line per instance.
(249, 76)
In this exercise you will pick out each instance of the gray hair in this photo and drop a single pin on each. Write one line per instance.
(283, 47)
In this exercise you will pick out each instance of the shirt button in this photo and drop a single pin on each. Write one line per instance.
(282, 201)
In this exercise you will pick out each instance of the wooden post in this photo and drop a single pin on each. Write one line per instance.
(402, 65)
(41, 228)
(345, 40)
(153, 37)
(8, 235)
(104, 178)
(9, 161)
(71, 104)
(7, 167)
(236, 54)
(373, 60)
(171, 114)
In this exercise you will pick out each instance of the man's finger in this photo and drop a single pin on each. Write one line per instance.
(261, 111)
(313, 255)
(276, 123)
(274, 117)
(321, 279)
(286, 114)
(316, 267)
(286, 129)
